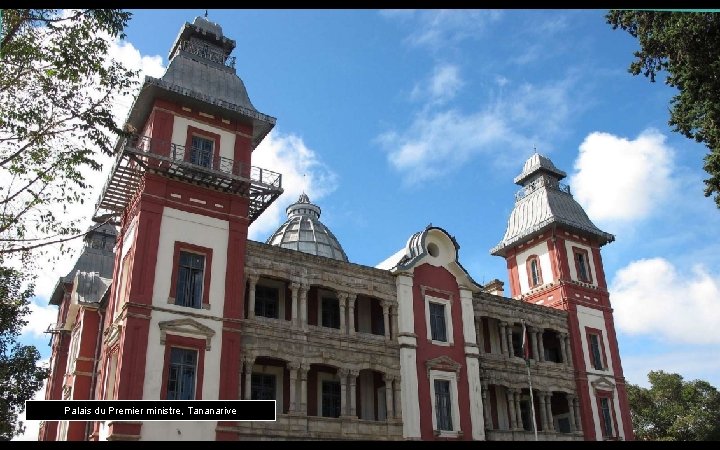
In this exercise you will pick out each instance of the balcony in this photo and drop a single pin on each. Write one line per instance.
(296, 426)
(138, 155)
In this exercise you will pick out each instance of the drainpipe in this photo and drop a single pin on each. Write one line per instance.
(93, 388)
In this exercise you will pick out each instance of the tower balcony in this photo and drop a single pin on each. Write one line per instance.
(137, 155)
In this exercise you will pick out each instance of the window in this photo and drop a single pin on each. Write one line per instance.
(562, 423)
(181, 375)
(596, 348)
(534, 271)
(201, 152)
(437, 322)
(443, 402)
(262, 387)
(582, 265)
(189, 288)
(444, 399)
(190, 284)
(607, 414)
(330, 399)
(330, 312)
(437, 318)
(526, 415)
(266, 301)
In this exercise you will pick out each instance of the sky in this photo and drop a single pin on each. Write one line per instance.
(391, 120)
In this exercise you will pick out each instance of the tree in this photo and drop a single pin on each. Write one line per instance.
(674, 410)
(686, 46)
(20, 376)
(57, 87)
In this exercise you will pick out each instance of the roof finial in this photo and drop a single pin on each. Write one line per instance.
(206, 13)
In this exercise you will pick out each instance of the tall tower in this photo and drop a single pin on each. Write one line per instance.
(553, 258)
(184, 192)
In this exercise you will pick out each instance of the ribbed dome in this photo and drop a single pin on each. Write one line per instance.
(303, 231)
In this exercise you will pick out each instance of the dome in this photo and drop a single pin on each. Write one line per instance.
(303, 231)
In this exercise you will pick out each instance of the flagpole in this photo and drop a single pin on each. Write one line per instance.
(527, 364)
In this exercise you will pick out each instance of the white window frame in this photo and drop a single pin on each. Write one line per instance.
(455, 409)
(448, 319)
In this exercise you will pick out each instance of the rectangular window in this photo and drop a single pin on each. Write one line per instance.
(438, 329)
(201, 152)
(181, 374)
(526, 415)
(266, 301)
(189, 287)
(330, 312)
(331, 399)
(606, 417)
(443, 405)
(262, 387)
(596, 357)
(582, 265)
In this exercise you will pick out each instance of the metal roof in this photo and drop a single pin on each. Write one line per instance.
(304, 232)
(542, 203)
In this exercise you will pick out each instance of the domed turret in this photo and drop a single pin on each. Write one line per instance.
(303, 231)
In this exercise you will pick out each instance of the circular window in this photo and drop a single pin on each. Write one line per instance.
(433, 249)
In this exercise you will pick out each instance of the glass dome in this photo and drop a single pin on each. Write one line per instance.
(303, 231)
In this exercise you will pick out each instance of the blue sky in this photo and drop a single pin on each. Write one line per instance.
(391, 120)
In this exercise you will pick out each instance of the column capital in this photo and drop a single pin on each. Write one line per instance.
(253, 278)
(294, 285)
(353, 374)
(503, 324)
(570, 397)
(388, 377)
(293, 366)
(342, 296)
(351, 297)
(343, 373)
(304, 288)
(385, 304)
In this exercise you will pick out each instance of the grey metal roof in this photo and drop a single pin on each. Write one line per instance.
(97, 256)
(544, 202)
(304, 232)
(91, 287)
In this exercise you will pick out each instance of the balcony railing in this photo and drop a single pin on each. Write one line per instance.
(138, 154)
(540, 182)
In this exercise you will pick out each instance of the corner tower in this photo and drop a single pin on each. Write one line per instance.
(553, 258)
(184, 192)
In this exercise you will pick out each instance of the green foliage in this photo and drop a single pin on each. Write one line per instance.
(675, 410)
(20, 377)
(57, 86)
(686, 47)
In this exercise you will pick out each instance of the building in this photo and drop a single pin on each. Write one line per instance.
(179, 304)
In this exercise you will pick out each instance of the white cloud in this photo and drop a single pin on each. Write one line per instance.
(442, 86)
(651, 296)
(32, 427)
(439, 141)
(301, 171)
(437, 29)
(621, 179)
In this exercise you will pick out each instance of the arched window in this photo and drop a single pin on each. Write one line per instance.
(534, 272)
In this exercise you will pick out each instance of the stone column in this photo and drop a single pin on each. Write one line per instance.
(294, 287)
(534, 338)
(388, 394)
(248, 364)
(252, 279)
(293, 370)
(303, 388)
(342, 300)
(511, 351)
(563, 350)
(398, 399)
(571, 408)
(518, 411)
(343, 374)
(510, 394)
(353, 391)
(543, 412)
(542, 346)
(351, 314)
(548, 404)
(578, 419)
(386, 318)
(303, 306)
(394, 322)
(566, 339)
(487, 414)
(503, 343)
